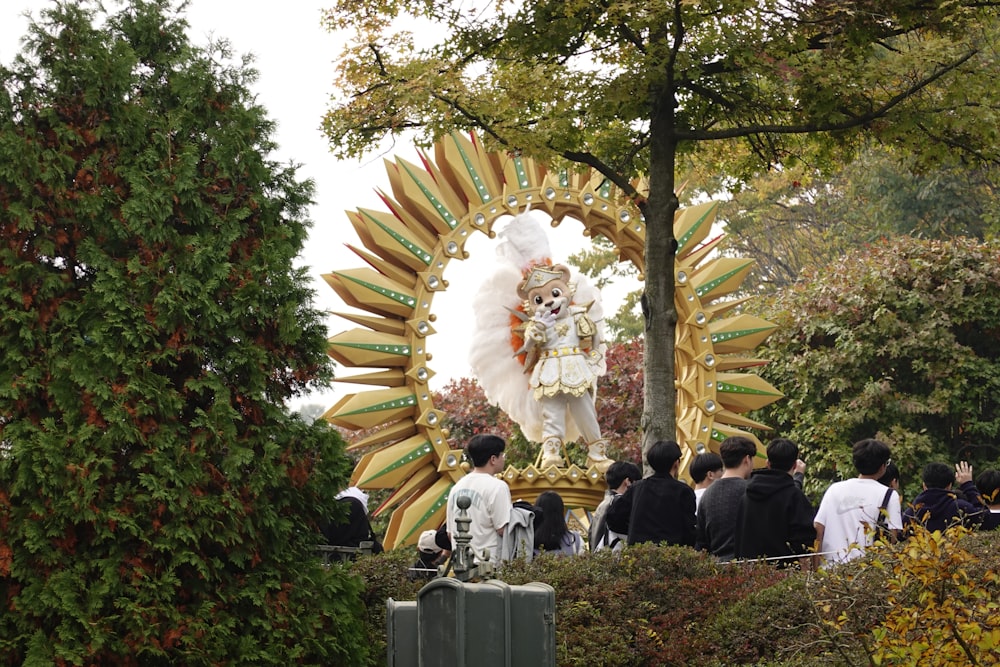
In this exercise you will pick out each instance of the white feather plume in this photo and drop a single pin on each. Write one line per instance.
(523, 242)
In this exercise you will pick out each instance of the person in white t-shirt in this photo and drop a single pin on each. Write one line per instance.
(850, 509)
(490, 506)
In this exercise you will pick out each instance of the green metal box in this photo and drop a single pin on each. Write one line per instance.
(489, 624)
(401, 633)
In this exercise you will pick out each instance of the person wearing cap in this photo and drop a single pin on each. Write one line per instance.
(659, 508)
(429, 557)
(352, 530)
(562, 352)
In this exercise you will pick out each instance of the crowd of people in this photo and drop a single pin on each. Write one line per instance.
(736, 508)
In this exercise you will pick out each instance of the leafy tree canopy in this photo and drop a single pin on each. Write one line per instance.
(788, 219)
(898, 340)
(629, 88)
(158, 505)
(792, 218)
(582, 80)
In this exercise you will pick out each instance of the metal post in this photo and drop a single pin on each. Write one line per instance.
(465, 567)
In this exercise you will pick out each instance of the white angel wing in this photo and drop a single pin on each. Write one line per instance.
(491, 355)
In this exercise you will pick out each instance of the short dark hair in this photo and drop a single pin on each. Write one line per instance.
(891, 473)
(938, 475)
(662, 455)
(988, 484)
(619, 471)
(484, 446)
(782, 454)
(735, 448)
(703, 464)
(869, 455)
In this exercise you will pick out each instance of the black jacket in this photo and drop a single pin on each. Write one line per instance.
(655, 509)
(775, 518)
(938, 509)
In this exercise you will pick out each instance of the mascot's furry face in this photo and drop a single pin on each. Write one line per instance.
(546, 291)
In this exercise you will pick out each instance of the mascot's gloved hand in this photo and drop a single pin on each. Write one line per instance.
(545, 317)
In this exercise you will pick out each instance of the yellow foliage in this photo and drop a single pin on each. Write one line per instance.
(936, 614)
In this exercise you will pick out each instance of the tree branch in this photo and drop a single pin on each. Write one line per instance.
(707, 93)
(603, 169)
(962, 146)
(631, 37)
(805, 128)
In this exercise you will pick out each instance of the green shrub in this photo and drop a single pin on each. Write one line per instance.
(385, 576)
(768, 624)
(648, 606)
(654, 606)
(928, 601)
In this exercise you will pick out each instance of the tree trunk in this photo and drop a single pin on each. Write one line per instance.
(659, 398)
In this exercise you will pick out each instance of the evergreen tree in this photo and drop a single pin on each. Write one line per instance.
(158, 504)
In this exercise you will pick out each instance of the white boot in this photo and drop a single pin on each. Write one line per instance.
(597, 455)
(551, 454)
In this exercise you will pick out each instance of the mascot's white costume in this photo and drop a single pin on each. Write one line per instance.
(551, 326)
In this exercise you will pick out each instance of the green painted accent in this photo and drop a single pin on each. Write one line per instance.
(484, 194)
(605, 189)
(719, 437)
(709, 286)
(388, 405)
(522, 176)
(401, 350)
(738, 389)
(438, 206)
(563, 178)
(404, 299)
(414, 249)
(681, 242)
(438, 504)
(417, 452)
(730, 335)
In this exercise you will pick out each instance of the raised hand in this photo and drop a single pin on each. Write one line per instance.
(963, 473)
(545, 317)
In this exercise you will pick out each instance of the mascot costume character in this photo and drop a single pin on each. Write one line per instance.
(553, 324)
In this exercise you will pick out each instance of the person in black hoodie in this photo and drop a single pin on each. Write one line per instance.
(659, 508)
(937, 507)
(775, 519)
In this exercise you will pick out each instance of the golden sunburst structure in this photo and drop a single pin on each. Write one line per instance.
(433, 210)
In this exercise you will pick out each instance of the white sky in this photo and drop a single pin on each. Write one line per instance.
(295, 58)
